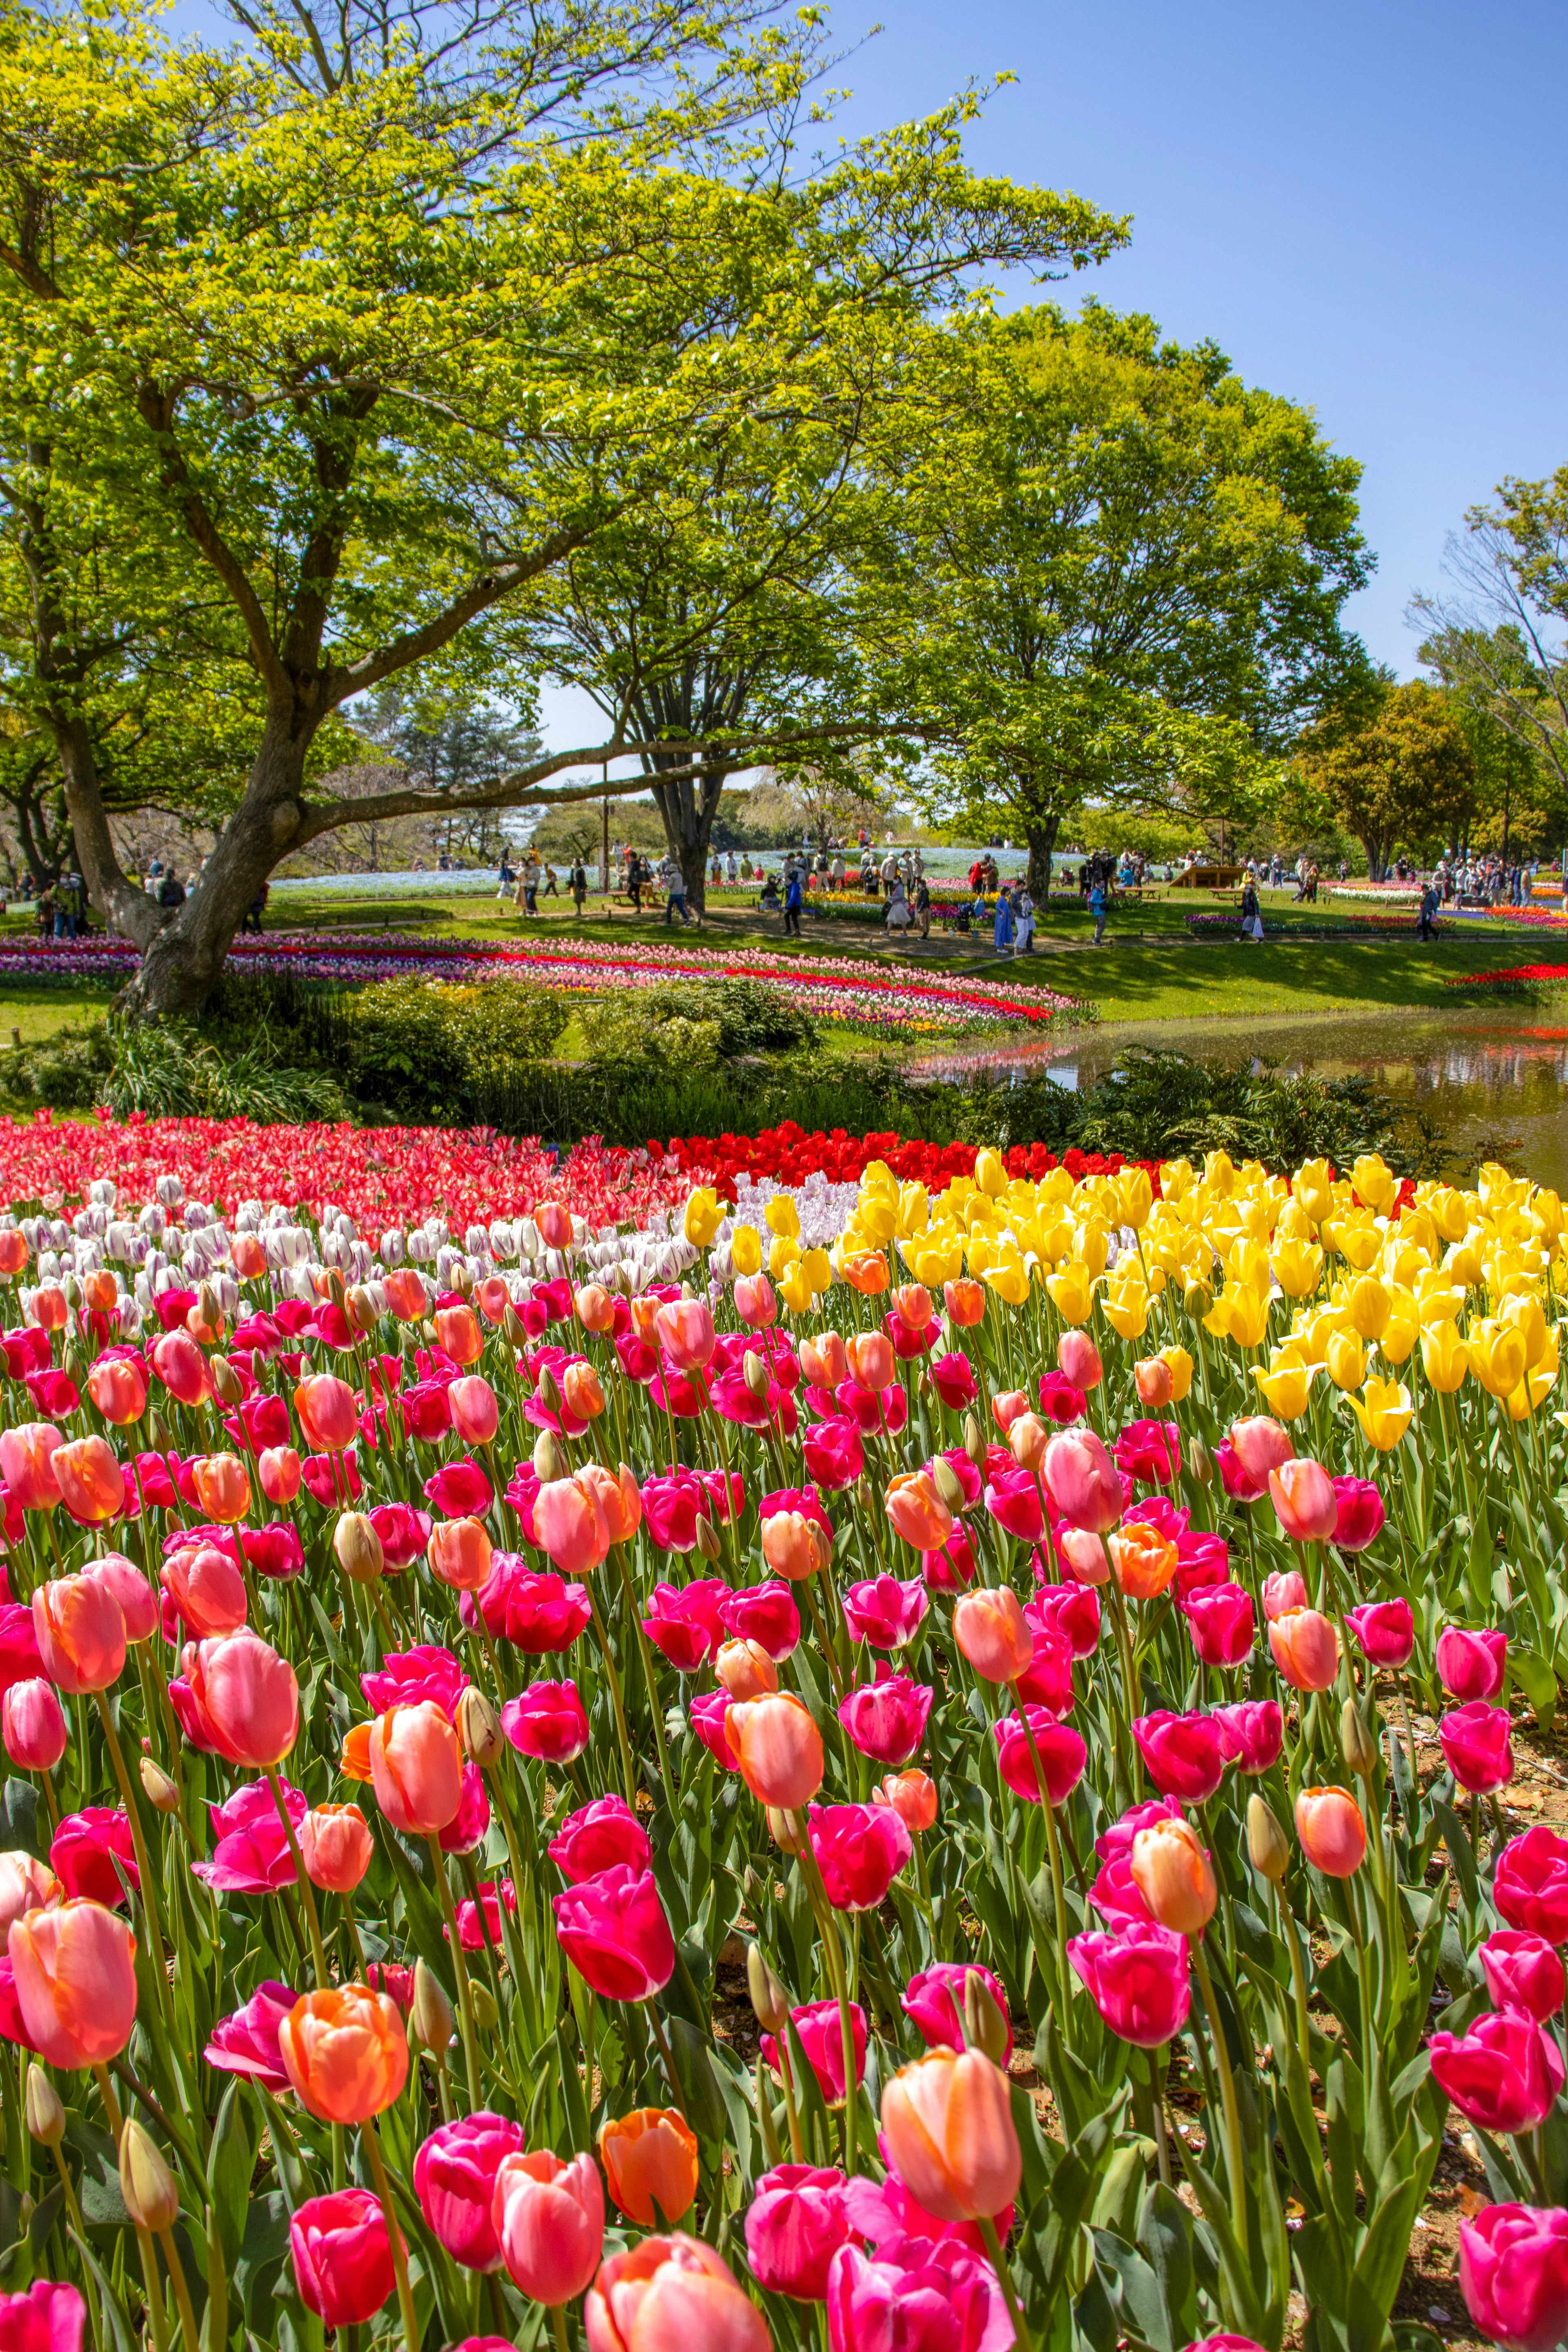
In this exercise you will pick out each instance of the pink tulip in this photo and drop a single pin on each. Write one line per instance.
(138, 1601)
(570, 1524)
(686, 1333)
(604, 1835)
(1083, 1555)
(244, 1698)
(916, 2294)
(1504, 2073)
(47, 2319)
(1219, 1618)
(1359, 1514)
(1072, 1610)
(613, 1931)
(475, 1416)
(1260, 1447)
(1306, 1649)
(886, 1719)
(1252, 1733)
(1385, 1632)
(1138, 1980)
(1184, 1754)
(933, 2000)
(1083, 1482)
(1078, 1359)
(795, 2223)
(1530, 1884)
(859, 1850)
(1476, 1748)
(1062, 1756)
(822, 2039)
(1284, 1590)
(547, 1721)
(550, 2215)
(33, 1724)
(884, 1611)
(1013, 1499)
(1522, 1972)
(454, 2175)
(247, 2043)
(1471, 1665)
(763, 1613)
(1304, 1501)
(684, 1622)
(1513, 2274)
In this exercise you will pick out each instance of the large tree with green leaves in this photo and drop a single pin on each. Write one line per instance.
(1400, 773)
(371, 340)
(1119, 582)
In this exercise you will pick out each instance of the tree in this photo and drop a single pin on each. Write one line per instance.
(451, 748)
(1120, 582)
(1401, 776)
(368, 342)
(1519, 795)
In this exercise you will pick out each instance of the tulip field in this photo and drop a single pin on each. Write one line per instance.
(751, 1745)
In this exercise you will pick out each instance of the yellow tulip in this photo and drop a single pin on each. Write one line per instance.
(1400, 1331)
(1445, 1358)
(1546, 1213)
(935, 1261)
(1219, 1170)
(794, 1289)
(1368, 1305)
(1125, 1307)
(817, 1268)
(1346, 1359)
(703, 1214)
(1009, 1278)
(990, 1174)
(1386, 1413)
(1293, 1223)
(877, 1177)
(1176, 1179)
(1497, 1356)
(1240, 1313)
(1310, 1334)
(1298, 1266)
(1313, 1188)
(1071, 1289)
(1437, 1299)
(1286, 1385)
(1056, 1187)
(1137, 1197)
(1523, 1310)
(914, 1209)
(879, 1218)
(783, 1252)
(1450, 1212)
(1091, 1244)
(746, 1250)
(1180, 1365)
(783, 1217)
(1359, 1241)
(1374, 1183)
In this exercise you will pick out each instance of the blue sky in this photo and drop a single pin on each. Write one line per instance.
(1366, 207)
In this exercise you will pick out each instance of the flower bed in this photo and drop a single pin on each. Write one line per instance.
(1511, 976)
(1008, 1632)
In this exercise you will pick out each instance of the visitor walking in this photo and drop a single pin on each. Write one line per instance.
(1097, 909)
(793, 896)
(579, 886)
(1026, 913)
(674, 882)
(1002, 929)
(922, 906)
(1426, 926)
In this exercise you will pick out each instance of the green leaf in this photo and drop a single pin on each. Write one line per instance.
(231, 2161)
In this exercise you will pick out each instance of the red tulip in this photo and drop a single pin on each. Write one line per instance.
(1522, 1972)
(1385, 1632)
(342, 2256)
(1185, 1754)
(1513, 2274)
(859, 1850)
(604, 1835)
(1530, 1884)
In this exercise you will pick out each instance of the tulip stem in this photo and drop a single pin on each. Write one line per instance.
(157, 2319)
(1227, 2096)
(1005, 2281)
(558, 2321)
(460, 1970)
(1059, 1896)
(671, 2077)
(181, 2292)
(627, 1775)
(399, 2255)
(645, 1651)
(148, 1889)
(307, 1892)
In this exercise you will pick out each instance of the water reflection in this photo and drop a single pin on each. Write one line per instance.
(1484, 1083)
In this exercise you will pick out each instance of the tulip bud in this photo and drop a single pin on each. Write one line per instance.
(548, 1391)
(482, 2000)
(72, 1291)
(1198, 1300)
(159, 1791)
(462, 1281)
(158, 1432)
(226, 1383)
(146, 2183)
(430, 2017)
(974, 1442)
(337, 1289)
(1267, 1847)
(1357, 1742)
(360, 1308)
(756, 1375)
(708, 1542)
(45, 2116)
(787, 1830)
(478, 1726)
(984, 2027)
(1199, 1462)
(207, 1308)
(358, 1548)
(769, 1999)
(513, 1331)
(549, 1462)
(948, 1485)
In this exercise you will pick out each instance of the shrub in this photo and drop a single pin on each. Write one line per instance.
(691, 1023)
(428, 1051)
(67, 1073)
(170, 1070)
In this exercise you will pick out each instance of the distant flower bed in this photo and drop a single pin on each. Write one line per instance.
(789, 1155)
(1517, 975)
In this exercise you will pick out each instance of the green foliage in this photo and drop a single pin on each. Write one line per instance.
(170, 1070)
(69, 1073)
(692, 1023)
(1400, 774)
(426, 1051)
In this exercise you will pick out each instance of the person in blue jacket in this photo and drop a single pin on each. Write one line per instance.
(1097, 909)
(1003, 934)
(793, 896)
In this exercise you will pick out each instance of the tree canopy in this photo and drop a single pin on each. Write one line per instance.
(1401, 773)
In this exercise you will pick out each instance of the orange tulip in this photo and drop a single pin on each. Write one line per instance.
(74, 1971)
(223, 1487)
(405, 1293)
(249, 1256)
(617, 1497)
(912, 1305)
(492, 1298)
(1144, 1560)
(671, 2294)
(182, 1367)
(475, 1413)
(1028, 1436)
(947, 2125)
(50, 1306)
(650, 2162)
(595, 1307)
(207, 1588)
(1171, 1869)
(918, 1512)
(26, 1464)
(12, 1253)
(570, 1523)
(868, 1275)
(353, 1762)
(1306, 1648)
(778, 1748)
(79, 1628)
(346, 2051)
(336, 1847)
(746, 1670)
(911, 1794)
(1151, 1378)
(965, 1301)
(825, 1360)
(645, 1316)
(118, 1389)
(280, 1472)
(788, 1546)
(1006, 1408)
(90, 1480)
(686, 1333)
(416, 1768)
(871, 1359)
(585, 1395)
(457, 1334)
(460, 1554)
(990, 1629)
(1332, 1834)
(1304, 1501)
(99, 1292)
(326, 1415)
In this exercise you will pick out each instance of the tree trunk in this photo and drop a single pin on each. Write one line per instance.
(1042, 840)
(687, 810)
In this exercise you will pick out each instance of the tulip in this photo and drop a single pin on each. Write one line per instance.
(1152, 1379)
(869, 1357)
(887, 1720)
(650, 2162)
(336, 1847)
(33, 1724)
(917, 1512)
(604, 1835)
(89, 1481)
(1331, 1830)
(456, 2177)
(547, 1721)
(745, 1670)
(26, 1884)
(342, 2256)
(571, 1526)
(1476, 1748)
(1260, 1447)
(884, 1611)
(1306, 1649)
(1304, 1500)
(554, 1224)
(207, 1588)
(1082, 1481)
(457, 1334)
(1471, 1665)
(416, 1768)
(821, 2033)
(859, 1851)
(279, 1469)
(550, 2216)
(1251, 1733)
(1385, 1632)
(460, 1553)
(1504, 2073)
(825, 1360)
(1359, 1514)
(777, 1748)
(326, 1413)
(1138, 1980)
(180, 1364)
(613, 1931)
(667, 2293)
(27, 1464)
(74, 1967)
(1013, 1500)
(1184, 1754)
(595, 1307)
(79, 1629)
(1046, 1681)
(1171, 1869)
(1078, 1359)
(1530, 1884)
(245, 1699)
(990, 1628)
(93, 1853)
(794, 2224)
(47, 2319)
(1220, 1620)
(1061, 1753)
(947, 2126)
(118, 1387)
(1283, 1591)
(1513, 2274)
(911, 1795)
(1144, 1560)
(686, 1336)
(833, 1456)
(1522, 1972)
(137, 1600)
(475, 1413)
(346, 2051)
(1083, 1556)
(223, 1487)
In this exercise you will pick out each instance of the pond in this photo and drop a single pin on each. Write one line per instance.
(1486, 1083)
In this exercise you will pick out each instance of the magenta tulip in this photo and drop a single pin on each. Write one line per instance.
(795, 2223)
(604, 1835)
(1476, 1748)
(885, 1611)
(455, 2181)
(1358, 1514)
(1062, 1756)
(1137, 1979)
(1530, 1884)
(822, 2039)
(1220, 1620)
(1251, 1733)
(1504, 2073)
(933, 2000)
(1471, 1665)
(613, 1931)
(1522, 1972)
(859, 1850)
(1184, 1755)
(1513, 2274)
(1385, 1632)
(887, 1720)
(342, 2256)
